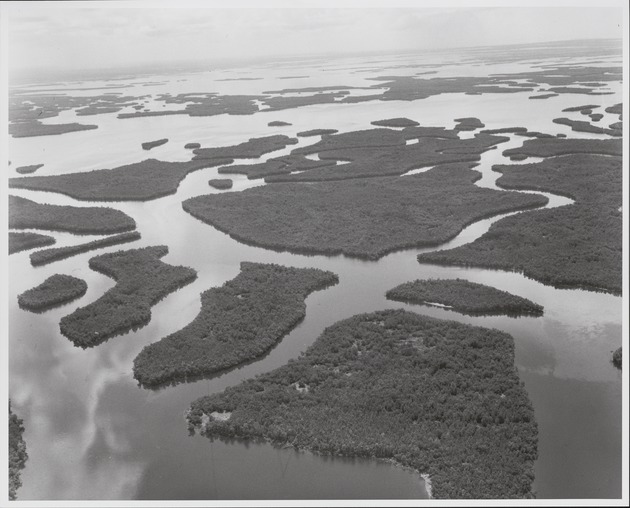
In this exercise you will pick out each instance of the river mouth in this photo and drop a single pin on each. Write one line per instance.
(93, 433)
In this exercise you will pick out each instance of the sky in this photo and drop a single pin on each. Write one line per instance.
(93, 35)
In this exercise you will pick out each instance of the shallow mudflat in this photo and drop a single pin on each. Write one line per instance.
(438, 396)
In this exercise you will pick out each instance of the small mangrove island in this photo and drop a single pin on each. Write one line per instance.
(437, 396)
(26, 170)
(395, 122)
(220, 183)
(55, 290)
(464, 296)
(45, 256)
(27, 214)
(142, 280)
(238, 322)
(152, 144)
(26, 241)
(468, 124)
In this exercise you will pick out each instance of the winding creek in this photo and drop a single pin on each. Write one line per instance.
(93, 433)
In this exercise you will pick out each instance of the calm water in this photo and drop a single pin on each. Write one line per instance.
(92, 433)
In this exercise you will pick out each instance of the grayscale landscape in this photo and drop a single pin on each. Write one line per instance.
(315, 254)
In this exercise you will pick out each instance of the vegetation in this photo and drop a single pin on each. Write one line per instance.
(505, 130)
(570, 246)
(438, 396)
(534, 134)
(588, 107)
(25, 170)
(617, 109)
(152, 144)
(27, 214)
(25, 241)
(580, 90)
(278, 123)
(617, 358)
(386, 213)
(54, 291)
(368, 159)
(281, 102)
(36, 128)
(95, 109)
(411, 133)
(544, 96)
(582, 126)
(43, 257)
(142, 280)
(316, 132)
(590, 179)
(220, 183)
(554, 146)
(464, 296)
(395, 122)
(252, 149)
(578, 245)
(238, 322)
(566, 75)
(17, 453)
(409, 88)
(140, 181)
(27, 109)
(203, 104)
(192, 145)
(311, 89)
(285, 164)
(468, 124)
(369, 138)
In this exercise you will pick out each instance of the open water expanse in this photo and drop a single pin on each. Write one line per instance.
(93, 433)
